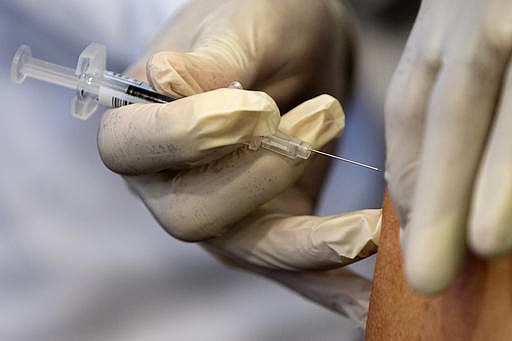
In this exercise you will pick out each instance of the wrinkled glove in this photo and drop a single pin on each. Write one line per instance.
(187, 161)
(448, 132)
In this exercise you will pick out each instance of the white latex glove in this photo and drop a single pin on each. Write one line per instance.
(186, 161)
(448, 132)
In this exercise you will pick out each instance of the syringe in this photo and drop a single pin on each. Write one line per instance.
(95, 85)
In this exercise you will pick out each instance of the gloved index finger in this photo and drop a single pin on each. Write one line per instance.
(147, 138)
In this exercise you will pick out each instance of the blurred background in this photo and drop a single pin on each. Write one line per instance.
(80, 256)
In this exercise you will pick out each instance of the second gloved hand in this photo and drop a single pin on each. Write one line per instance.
(448, 133)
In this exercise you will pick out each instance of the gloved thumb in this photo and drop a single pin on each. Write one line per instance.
(186, 74)
(225, 49)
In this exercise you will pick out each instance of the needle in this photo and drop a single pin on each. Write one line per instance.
(347, 160)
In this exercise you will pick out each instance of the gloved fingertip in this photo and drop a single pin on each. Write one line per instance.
(358, 236)
(401, 237)
(269, 117)
(316, 121)
(489, 238)
(378, 226)
(490, 216)
(223, 117)
(148, 72)
(432, 258)
(257, 112)
(185, 74)
(170, 73)
(424, 277)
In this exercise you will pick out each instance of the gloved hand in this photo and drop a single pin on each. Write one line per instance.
(187, 161)
(448, 129)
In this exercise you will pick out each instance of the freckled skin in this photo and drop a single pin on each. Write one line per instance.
(478, 306)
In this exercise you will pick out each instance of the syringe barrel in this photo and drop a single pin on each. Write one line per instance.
(124, 90)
